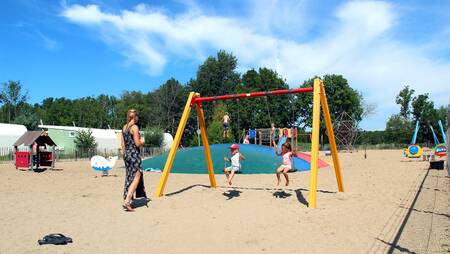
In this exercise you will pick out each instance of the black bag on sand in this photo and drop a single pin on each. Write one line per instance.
(56, 239)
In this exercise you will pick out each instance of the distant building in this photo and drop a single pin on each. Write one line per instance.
(64, 136)
(107, 139)
(9, 133)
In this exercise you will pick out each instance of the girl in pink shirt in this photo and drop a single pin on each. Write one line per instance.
(286, 165)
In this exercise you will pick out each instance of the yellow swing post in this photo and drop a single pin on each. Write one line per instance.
(177, 140)
(319, 97)
(207, 150)
(332, 140)
(314, 145)
(175, 145)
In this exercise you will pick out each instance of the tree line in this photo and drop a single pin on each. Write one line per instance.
(217, 75)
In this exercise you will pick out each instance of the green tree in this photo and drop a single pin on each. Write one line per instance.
(85, 140)
(404, 99)
(423, 108)
(143, 103)
(261, 112)
(169, 99)
(216, 76)
(57, 111)
(398, 130)
(215, 128)
(12, 96)
(27, 117)
(340, 96)
(424, 112)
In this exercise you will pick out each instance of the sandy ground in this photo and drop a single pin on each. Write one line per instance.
(389, 205)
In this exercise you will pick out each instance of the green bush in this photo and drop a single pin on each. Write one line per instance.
(215, 133)
(153, 136)
(85, 140)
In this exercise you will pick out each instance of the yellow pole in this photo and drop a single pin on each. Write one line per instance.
(207, 150)
(333, 147)
(314, 145)
(175, 145)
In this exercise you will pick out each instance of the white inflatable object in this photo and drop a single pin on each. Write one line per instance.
(167, 141)
(102, 164)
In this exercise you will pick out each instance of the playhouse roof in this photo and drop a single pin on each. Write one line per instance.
(29, 137)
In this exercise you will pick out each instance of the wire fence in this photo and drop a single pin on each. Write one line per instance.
(7, 154)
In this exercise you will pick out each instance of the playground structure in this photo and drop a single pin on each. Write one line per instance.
(415, 150)
(346, 129)
(37, 154)
(319, 98)
(262, 136)
(440, 148)
(102, 164)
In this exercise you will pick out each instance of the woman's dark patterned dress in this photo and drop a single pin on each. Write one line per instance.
(132, 159)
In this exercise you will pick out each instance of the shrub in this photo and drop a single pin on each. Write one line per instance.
(153, 136)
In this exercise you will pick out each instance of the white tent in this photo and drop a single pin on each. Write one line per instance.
(9, 133)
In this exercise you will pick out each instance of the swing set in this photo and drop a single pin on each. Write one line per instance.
(319, 98)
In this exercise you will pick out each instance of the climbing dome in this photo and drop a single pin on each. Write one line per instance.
(259, 160)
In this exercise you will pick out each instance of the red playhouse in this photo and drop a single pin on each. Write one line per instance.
(38, 153)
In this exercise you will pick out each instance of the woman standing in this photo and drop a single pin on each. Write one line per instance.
(131, 144)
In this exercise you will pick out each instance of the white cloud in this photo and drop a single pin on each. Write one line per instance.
(358, 44)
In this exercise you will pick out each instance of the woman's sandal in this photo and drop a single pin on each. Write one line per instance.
(127, 207)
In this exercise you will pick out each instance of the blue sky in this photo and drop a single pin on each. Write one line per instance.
(83, 48)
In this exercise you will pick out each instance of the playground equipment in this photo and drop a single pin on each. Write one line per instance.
(319, 98)
(440, 150)
(346, 129)
(100, 163)
(413, 150)
(35, 155)
(262, 136)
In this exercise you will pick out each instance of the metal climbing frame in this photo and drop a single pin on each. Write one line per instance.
(319, 98)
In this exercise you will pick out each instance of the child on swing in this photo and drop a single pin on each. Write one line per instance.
(235, 159)
(286, 165)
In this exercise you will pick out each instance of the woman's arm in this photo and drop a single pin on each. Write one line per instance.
(122, 143)
(242, 157)
(137, 136)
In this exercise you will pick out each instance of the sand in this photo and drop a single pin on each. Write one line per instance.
(373, 215)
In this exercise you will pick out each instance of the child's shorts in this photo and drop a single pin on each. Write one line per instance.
(236, 169)
(286, 166)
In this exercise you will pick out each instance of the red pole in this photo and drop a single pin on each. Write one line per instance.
(251, 95)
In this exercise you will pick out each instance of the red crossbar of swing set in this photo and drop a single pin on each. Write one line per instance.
(199, 100)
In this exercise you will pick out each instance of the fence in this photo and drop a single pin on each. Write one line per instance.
(7, 153)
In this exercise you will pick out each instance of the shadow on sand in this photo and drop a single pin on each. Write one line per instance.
(232, 194)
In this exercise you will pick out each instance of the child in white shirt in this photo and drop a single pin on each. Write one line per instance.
(235, 159)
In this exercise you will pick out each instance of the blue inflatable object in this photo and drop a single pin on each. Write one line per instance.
(259, 160)
(413, 150)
